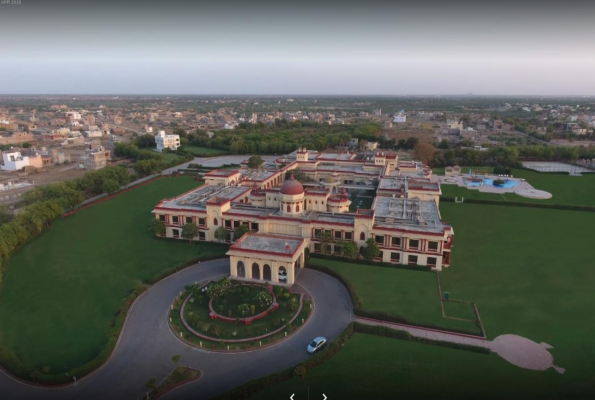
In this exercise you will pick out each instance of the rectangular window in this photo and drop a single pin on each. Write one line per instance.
(395, 241)
(254, 226)
(432, 261)
(414, 244)
(176, 233)
(395, 257)
(202, 235)
(175, 220)
(317, 247)
(338, 249)
(317, 233)
(348, 235)
(162, 218)
(236, 224)
(201, 221)
(188, 220)
(380, 239)
(228, 223)
(338, 235)
(412, 260)
(433, 246)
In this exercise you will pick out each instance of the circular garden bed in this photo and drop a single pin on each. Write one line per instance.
(232, 316)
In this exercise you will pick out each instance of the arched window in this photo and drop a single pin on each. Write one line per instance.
(288, 208)
(297, 208)
(362, 236)
(215, 222)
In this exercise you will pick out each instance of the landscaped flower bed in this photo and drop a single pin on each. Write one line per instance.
(243, 304)
(191, 317)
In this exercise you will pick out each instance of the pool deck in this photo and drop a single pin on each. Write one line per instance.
(523, 189)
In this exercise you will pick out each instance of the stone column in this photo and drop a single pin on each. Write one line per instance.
(275, 272)
(248, 267)
(233, 264)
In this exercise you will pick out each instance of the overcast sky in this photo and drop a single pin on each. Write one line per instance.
(341, 47)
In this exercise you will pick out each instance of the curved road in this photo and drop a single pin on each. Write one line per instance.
(147, 345)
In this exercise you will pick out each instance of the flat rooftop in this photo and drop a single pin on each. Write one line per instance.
(412, 214)
(262, 242)
(197, 199)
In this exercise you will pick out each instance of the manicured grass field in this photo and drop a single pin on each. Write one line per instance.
(405, 293)
(62, 290)
(203, 151)
(372, 367)
(565, 189)
(531, 273)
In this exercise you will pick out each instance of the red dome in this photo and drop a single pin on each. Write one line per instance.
(292, 187)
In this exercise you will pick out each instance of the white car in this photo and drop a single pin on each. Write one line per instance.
(282, 276)
(316, 345)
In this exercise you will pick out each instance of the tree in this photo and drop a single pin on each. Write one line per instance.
(371, 251)
(157, 227)
(110, 186)
(240, 231)
(443, 144)
(255, 162)
(176, 358)
(221, 234)
(189, 231)
(424, 152)
(151, 383)
(326, 237)
(350, 250)
(5, 214)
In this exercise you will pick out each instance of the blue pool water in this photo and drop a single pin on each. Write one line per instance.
(490, 182)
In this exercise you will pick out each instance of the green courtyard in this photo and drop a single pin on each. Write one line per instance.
(62, 291)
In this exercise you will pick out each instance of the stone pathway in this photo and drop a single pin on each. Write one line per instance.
(517, 350)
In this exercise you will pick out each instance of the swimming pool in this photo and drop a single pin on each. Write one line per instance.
(508, 183)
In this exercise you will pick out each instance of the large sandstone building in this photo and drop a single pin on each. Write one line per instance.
(285, 216)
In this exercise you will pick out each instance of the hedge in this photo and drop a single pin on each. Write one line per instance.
(254, 386)
(360, 312)
(403, 335)
(423, 268)
(529, 205)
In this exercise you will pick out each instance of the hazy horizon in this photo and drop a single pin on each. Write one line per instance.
(422, 48)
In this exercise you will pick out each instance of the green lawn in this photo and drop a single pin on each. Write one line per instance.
(203, 151)
(565, 189)
(405, 293)
(169, 157)
(62, 290)
(531, 273)
(372, 367)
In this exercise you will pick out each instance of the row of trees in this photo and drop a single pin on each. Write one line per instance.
(506, 156)
(44, 204)
(282, 137)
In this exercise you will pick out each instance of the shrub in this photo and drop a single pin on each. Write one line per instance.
(300, 372)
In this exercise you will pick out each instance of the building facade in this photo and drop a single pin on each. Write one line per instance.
(404, 219)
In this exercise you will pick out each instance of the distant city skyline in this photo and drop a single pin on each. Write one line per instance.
(541, 48)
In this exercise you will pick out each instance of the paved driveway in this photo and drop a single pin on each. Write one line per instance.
(147, 345)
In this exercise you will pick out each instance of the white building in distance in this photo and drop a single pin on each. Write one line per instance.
(164, 141)
(400, 117)
(14, 161)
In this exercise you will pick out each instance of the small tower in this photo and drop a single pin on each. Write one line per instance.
(302, 154)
